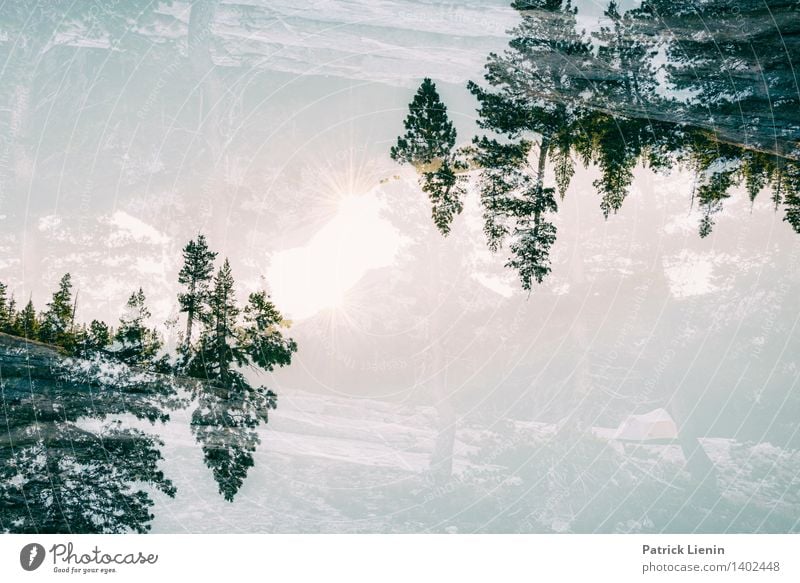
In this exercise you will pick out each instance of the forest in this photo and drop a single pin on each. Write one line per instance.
(551, 98)
(128, 362)
(412, 189)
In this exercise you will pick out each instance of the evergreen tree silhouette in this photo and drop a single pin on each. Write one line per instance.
(428, 146)
(6, 309)
(57, 320)
(430, 135)
(195, 276)
(135, 343)
(27, 322)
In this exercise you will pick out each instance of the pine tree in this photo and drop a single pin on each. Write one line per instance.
(430, 135)
(219, 348)
(625, 56)
(195, 275)
(533, 97)
(94, 339)
(230, 411)
(135, 343)
(229, 408)
(225, 425)
(58, 319)
(6, 316)
(13, 316)
(617, 130)
(790, 176)
(516, 206)
(27, 323)
(261, 337)
(428, 146)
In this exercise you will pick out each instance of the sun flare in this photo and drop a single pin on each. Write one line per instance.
(318, 275)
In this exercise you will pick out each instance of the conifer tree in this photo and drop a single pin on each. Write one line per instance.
(58, 319)
(790, 176)
(229, 342)
(6, 316)
(225, 424)
(94, 339)
(229, 408)
(533, 97)
(27, 323)
(516, 206)
(195, 275)
(428, 146)
(11, 310)
(618, 131)
(219, 348)
(262, 338)
(135, 343)
(430, 134)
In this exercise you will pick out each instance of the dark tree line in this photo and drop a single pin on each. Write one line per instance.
(222, 340)
(558, 96)
(231, 338)
(59, 474)
(132, 342)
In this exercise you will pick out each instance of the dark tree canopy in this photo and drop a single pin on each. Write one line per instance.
(225, 425)
(518, 106)
(136, 344)
(58, 475)
(58, 319)
(229, 408)
(262, 336)
(430, 134)
(557, 95)
(195, 276)
(428, 146)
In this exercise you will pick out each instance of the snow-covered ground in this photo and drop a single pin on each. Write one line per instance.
(339, 464)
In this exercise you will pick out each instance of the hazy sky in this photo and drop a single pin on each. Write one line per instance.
(297, 189)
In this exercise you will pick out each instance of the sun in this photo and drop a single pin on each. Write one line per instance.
(317, 276)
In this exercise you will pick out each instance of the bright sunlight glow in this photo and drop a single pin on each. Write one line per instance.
(317, 276)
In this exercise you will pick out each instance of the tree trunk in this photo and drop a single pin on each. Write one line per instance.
(544, 146)
(190, 314)
(189, 320)
(543, 149)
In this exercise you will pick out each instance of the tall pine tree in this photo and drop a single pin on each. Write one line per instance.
(230, 409)
(428, 146)
(533, 97)
(6, 315)
(195, 275)
(58, 319)
(27, 323)
(135, 343)
(219, 346)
